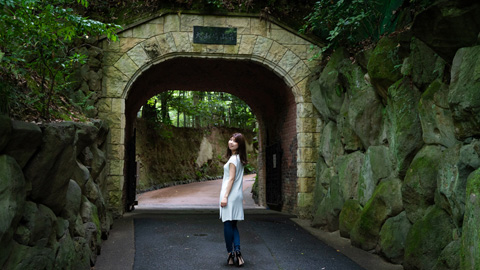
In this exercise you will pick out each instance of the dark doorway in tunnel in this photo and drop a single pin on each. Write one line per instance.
(265, 92)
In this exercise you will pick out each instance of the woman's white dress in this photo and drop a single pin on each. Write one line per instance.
(234, 208)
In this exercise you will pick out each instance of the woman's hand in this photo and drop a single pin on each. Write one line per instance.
(224, 201)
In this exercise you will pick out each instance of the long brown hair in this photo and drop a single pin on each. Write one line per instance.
(242, 149)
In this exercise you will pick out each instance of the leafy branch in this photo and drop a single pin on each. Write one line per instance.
(38, 40)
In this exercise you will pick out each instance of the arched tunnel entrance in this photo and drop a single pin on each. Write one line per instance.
(269, 97)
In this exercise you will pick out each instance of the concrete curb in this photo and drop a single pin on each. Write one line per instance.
(365, 259)
(118, 251)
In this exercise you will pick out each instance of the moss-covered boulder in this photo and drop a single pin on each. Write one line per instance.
(329, 209)
(457, 164)
(347, 135)
(427, 238)
(83, 253)
(73, 203)
(376, 166)
(66, 255)
(24, 142)
(85, 135)
(470, 251)
(45, 225)
(348, 217)
(348, 169)
(12, 202)
(30, 258)
(450, 257)
(383, 65)
(365, 115)
(331, 146)
(92, 227)
(405, 131)
(435, 115)
(464, 94)
(328, 93)
(420, 183)
(322, 183)
(386, 202)
(426, 65)
(51, 168)
(352, 77)
(95, 159)
(447, 26)
(392, 237)
(5, 131)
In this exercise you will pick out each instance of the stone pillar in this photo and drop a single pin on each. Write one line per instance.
(308, 135)
(112, 111)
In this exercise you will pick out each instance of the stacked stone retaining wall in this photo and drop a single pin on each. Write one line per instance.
(53, 210)
(399, 164)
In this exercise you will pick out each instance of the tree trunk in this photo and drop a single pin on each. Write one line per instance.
(196, 118)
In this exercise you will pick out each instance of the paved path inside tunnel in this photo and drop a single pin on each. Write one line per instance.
(198, 195)
(179, 228)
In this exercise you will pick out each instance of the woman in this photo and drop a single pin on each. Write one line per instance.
(231, 197)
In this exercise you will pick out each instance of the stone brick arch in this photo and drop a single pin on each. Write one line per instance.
(267, 47)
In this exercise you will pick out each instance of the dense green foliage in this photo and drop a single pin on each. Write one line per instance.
(40, 40)
(122, 12)
(352, 22)
(199, 109)
(38, 43)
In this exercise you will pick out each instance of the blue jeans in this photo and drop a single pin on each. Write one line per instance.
(232, 237)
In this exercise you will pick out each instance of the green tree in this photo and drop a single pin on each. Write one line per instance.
(199, 109)
(349, 22)
(38, 42)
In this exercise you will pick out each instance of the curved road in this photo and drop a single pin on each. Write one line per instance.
(200, 195)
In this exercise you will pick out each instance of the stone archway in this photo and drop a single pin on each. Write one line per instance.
(266, 57)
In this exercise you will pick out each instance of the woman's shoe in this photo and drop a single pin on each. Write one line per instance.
(231, 259)
(239, 259)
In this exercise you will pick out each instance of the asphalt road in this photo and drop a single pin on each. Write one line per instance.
(179, 228)
(195, 241)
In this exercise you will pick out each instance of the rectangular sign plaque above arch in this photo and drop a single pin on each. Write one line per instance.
(214, 35)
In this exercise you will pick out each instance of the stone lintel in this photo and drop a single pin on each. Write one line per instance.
(242, 24)
(288, 61)
(126, 65)
(276, 52)
(138, 55)
(214, 21)
(189, 21)
(147, 30)
(247, 44)
(172, 23)
(299, 72)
